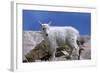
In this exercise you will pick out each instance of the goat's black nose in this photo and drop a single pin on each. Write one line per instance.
(46, 34)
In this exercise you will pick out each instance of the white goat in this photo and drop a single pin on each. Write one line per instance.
(57, 36)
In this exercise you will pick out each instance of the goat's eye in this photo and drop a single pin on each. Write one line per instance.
(43, 28)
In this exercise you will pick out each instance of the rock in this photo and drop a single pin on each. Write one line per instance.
(38, 53)
(41, 52)
(36, 49)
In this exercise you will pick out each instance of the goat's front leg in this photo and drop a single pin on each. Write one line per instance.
(53, 52)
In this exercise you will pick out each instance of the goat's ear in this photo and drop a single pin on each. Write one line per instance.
(49, 22)
(40, 23)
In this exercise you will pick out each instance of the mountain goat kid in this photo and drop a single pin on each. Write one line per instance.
(57, 36)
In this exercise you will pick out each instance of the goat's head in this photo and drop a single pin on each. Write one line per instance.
(45, 28)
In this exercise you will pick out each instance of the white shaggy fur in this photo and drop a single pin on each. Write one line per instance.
(57, 36)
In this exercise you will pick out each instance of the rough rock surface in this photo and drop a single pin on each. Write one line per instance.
(36, 49)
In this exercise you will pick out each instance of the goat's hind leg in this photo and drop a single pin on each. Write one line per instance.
(69, 57)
